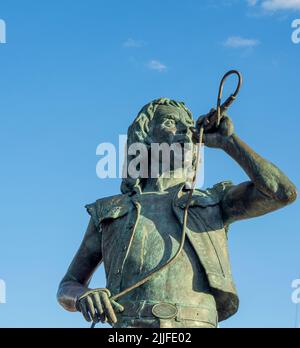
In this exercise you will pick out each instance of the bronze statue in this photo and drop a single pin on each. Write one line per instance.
(137, 232)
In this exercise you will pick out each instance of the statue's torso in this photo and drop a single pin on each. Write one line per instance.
(133, 241)
(155, 241)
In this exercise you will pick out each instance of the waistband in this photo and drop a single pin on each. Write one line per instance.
(165, 310)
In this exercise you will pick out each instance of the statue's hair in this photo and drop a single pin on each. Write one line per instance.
(138, 132)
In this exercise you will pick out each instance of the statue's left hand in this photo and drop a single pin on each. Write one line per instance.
(216, 136)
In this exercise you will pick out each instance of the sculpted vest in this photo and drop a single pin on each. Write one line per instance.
(116, 217)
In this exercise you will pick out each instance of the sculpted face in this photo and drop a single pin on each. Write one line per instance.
(171, 125)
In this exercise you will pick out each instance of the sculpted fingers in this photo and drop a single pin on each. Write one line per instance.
(84, 310)
(91, 309)
(96, 305)
(200, 121)
(117, 306)
(99, 307)
(109, 311)
(226, 126)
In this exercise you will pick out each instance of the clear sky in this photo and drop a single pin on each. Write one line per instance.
(75, 74)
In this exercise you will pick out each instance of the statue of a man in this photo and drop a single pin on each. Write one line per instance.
(139, 230)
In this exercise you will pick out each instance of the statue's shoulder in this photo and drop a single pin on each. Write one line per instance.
(206, 197)
(212, 195)
(220, 188)
(108, 207)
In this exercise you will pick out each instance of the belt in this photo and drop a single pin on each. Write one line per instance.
(164, 310)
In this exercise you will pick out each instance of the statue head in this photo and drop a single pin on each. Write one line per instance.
(161, 121)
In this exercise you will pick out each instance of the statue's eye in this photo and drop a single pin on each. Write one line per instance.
(169, 123)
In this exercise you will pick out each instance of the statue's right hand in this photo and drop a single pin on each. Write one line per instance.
(96, 305)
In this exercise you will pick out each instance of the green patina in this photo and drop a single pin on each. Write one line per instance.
(139, 230)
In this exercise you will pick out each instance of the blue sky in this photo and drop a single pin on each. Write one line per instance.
(75, 74)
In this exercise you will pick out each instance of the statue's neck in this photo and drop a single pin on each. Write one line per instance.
(165, 181)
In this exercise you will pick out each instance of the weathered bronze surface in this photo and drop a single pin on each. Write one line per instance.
(139, 230)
